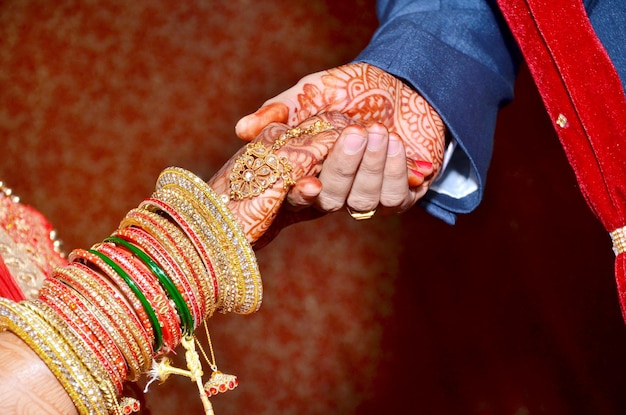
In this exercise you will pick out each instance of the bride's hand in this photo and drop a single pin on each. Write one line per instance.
(253, 197)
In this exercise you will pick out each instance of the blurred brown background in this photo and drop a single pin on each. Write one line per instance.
(511, 311)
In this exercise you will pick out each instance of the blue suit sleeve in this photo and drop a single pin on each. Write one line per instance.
(460, 57)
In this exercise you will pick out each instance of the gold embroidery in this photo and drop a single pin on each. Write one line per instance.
(27, 244)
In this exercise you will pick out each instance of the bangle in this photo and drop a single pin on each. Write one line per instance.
(96, 369)
(97, 317)
(164, 310)
(232, 283)
(168, 285)
(229, 294)
(175, 249)
(224, 219)
(145, 328)
(100, 293)
(180, 251)
(154, 205)
(56, 354)
(242, 295)
(172, 269)
(73, 310)
(147, 307)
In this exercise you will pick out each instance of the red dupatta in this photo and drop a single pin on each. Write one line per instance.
(585, 99)
(28, 252)
(8, 286)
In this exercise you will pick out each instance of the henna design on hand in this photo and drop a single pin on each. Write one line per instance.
(368, 94)
(305, 153)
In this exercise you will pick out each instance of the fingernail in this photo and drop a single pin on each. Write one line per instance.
(416, 178)
(424, 164)
(374, 142)
(417, 173)
(394, 147)
(310, 190)
(241, 123)
(353, 144)
(242, 128)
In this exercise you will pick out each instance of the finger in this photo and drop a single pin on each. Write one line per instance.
(340, 167)
(284, 108)
(303, 194)
(251, 125)
(395, 196)
(419, 170)
(425, 167)
(365, 192)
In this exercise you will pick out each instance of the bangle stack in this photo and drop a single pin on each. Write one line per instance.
(103, 319)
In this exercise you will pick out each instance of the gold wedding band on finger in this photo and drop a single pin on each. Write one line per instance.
(356, 215)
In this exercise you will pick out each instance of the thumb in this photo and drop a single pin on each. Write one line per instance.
(303, 194)
(251, 125)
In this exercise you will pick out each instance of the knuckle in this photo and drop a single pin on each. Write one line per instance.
(395, 195)
(393, 200)
(329, 204)
(333, 174)
(371, 169)
(362, 203)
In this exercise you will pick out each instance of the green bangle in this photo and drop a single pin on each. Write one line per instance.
(156, 326)
(164, 279)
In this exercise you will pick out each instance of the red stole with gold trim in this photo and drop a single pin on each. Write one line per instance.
(585, 99)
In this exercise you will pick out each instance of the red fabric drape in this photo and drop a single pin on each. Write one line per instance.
(585, 99)
(8, 286)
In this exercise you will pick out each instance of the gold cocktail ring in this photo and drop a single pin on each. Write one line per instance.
(258, 168)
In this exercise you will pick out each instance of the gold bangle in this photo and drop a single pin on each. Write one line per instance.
(206, 242)
(110, 392)
(225, 223)
(98, 372)
(235, 283)
(56, 354)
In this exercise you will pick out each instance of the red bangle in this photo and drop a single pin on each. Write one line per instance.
(219, 253)
(181, 250)
(60, 298)
(153, 204)
(87, 258)
(162, 258)
(186, 207)
(85, 280)
(151, 288)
